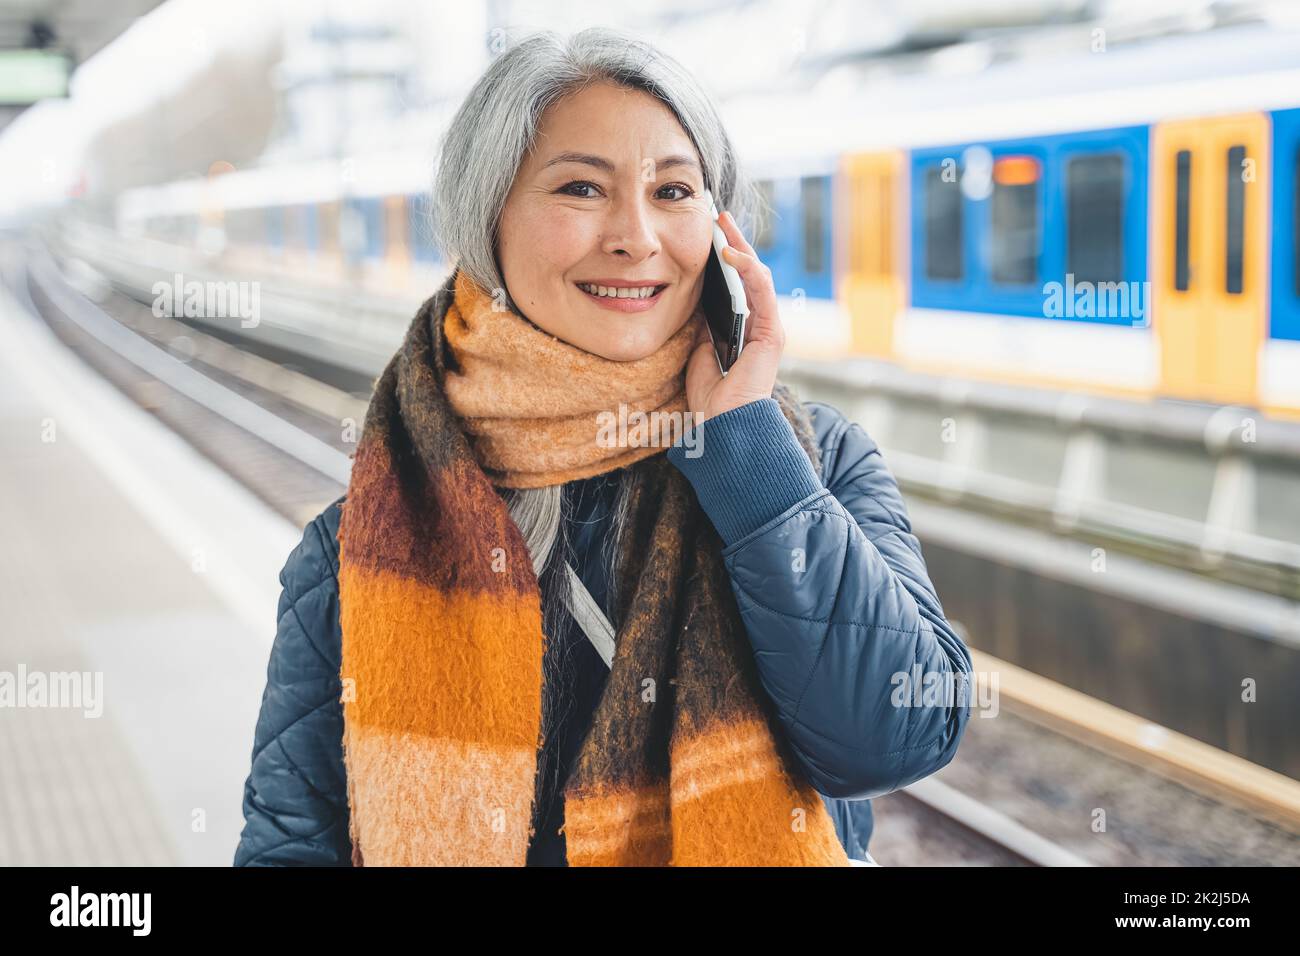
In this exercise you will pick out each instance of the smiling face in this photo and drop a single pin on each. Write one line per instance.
(610, 195)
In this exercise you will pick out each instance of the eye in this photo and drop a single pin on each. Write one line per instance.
(683, 187)
(577, 184)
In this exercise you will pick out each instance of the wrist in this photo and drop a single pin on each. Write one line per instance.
(746, 467)
(732, 404)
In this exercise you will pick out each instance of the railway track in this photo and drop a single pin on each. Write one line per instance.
(285, 436)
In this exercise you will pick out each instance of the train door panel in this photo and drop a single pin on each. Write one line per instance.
(1097, 204)
(1005, 182)
(978, 243)
(1284, 305)
(1209, 244)
(872, 288)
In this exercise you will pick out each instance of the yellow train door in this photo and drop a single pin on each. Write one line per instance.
(872, 285)
(1209, 255)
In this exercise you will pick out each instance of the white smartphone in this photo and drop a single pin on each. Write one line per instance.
(723, 299)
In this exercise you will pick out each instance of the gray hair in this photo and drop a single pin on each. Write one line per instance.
(488, 138)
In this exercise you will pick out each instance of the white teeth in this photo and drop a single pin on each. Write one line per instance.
(642, 292)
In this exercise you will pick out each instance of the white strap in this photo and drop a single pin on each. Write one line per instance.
(590, 617)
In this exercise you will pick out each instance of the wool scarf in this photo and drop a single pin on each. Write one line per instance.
(532, 404)
(684, 763)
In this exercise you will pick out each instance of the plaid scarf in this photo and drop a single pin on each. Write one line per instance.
(684, 763)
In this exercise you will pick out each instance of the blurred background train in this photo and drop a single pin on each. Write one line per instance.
(1126, 227)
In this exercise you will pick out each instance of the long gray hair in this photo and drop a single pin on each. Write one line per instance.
(479, 158)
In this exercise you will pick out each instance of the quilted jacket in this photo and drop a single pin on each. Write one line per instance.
(832, 589)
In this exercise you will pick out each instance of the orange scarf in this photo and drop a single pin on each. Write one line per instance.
(533, 404)
(684, 763)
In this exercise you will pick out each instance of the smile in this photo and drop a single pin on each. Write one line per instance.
(623, 299)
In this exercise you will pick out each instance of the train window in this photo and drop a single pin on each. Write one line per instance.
(1094, 187)
(1014, 243)
(813, 193)
(943, 226)
(1182, 213)
(763, 229)
(1236, 226)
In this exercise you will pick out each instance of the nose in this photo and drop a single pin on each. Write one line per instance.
(630, 230)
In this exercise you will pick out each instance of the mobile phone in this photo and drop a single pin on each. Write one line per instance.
(723, 299)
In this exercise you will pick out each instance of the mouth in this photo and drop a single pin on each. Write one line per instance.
(623, 298)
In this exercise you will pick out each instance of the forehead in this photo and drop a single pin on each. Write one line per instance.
(610, 120)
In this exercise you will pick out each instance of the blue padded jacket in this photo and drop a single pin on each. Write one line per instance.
(832, 589)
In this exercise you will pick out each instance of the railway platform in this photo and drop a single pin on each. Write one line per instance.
(134, 568)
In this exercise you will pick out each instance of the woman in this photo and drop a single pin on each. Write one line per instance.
(526, 637)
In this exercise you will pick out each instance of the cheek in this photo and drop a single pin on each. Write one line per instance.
(535, 241)
(556, 240)
(692, 252)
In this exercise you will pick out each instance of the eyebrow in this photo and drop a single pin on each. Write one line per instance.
(601, 163)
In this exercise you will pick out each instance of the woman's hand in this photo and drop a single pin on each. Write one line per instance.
(708, 391)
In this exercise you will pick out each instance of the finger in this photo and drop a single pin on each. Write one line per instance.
(759, 293)
(734, 236)
(737, 241)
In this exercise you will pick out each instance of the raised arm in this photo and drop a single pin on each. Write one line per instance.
(835, 598)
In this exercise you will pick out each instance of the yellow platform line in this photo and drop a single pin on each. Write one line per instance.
(1138, 740)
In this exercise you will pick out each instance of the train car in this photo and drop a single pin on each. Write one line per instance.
(1123, 224)
(355, 220)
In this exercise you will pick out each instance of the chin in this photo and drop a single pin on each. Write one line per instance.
(622, 351)
(616, 345)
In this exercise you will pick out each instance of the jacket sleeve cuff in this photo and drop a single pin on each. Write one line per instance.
(746, 467)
